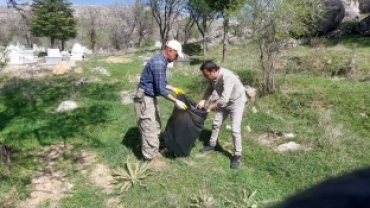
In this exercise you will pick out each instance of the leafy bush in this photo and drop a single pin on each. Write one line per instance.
(148, 44)
(192, 49)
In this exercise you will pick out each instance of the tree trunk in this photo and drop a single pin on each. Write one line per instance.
(163, 38)
(206, 39)
(225, 39)
(268, 67)
(63, 43)
(264, 78)
(163, 41)
(29, 43)
(204, 46)
(140, 40)
(52, 42)
(271, 69)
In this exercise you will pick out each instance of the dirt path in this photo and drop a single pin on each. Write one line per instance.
(52, 185)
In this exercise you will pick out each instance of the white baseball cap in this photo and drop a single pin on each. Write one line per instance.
(175, 45)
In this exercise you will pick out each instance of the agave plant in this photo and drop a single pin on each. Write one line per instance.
(133, 173)
(204, 199)
(246, 201)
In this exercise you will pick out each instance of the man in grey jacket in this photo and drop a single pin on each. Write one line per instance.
(231, 102)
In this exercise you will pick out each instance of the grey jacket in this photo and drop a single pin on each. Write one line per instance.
(228, 87)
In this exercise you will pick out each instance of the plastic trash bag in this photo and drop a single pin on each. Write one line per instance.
(184, 127)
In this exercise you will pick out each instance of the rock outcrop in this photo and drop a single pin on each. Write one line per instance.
(363, 27)
(332, 18)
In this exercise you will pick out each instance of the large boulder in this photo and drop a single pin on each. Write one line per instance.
(332, 18)
(363, 27)
(62, 68)
(364, 7)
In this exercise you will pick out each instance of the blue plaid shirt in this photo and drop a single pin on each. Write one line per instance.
(153, 77)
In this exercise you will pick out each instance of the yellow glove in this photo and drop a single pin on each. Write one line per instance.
(181, 105)
(179, 91)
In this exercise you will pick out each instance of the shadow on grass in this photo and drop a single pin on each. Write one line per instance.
(132, 141)
(29, 121)
(27, 112)
(204, 137)
(358, 40)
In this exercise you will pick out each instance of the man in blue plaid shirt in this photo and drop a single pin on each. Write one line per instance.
(152, 84)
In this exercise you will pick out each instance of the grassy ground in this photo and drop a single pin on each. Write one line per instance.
(329, 115)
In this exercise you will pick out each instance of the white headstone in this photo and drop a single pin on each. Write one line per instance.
(77, 52)
(86, 50)
(12, 47)
(53, 56)
(14, 57)
(22, 47)
(65, 55)
(53, 52)
(157, 44)
(26, 56)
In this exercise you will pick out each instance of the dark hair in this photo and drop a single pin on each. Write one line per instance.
(209, 66)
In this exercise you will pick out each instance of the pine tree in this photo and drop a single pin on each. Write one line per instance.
(53, 19)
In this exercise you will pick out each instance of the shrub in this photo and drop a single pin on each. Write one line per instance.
(192, 49)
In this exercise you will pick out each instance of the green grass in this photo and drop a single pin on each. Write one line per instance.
(323, 113)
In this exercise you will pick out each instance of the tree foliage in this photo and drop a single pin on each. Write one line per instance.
(226, 9)
(203, 15)
(144, 23)
(124, 25)
(273, 21)
(165, 12)
(54, 19)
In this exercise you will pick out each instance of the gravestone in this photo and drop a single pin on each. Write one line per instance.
(157, 44)
(53, 56)
(77, 53)
(26, 56)
(13, 55)
(86, 50)
(19, 56)
(65, 55)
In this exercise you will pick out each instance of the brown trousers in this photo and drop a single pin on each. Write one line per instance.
(148, 121)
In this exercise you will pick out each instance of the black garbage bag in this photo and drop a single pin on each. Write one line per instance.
(184, 127)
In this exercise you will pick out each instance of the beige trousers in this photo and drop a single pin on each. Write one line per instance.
(236, 114)
(148, 121)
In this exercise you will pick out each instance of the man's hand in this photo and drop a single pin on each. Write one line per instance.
(178, 91)
(181, 105)
(200, 105)
(213, 106)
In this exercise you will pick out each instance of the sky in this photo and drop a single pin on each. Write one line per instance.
(98, 2)
(84, 2)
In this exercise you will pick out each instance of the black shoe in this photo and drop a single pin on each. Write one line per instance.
(165, 152)
(235, 162)
(207, 148)
(147, 160)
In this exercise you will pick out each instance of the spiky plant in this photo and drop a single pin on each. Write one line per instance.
(132, 173)
(246, 201)
(204, 200)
